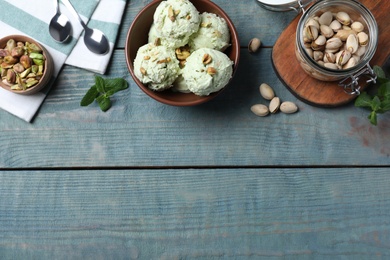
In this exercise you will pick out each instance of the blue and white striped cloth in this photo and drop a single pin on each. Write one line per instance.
(32, 18)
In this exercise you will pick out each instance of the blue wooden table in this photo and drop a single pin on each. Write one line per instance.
(150, 181)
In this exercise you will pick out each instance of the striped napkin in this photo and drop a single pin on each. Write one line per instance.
(32, 18)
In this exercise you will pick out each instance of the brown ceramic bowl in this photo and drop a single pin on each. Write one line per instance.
(137, 36)
(48, 66)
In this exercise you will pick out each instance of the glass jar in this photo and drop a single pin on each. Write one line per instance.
(283, 5)
(349, 77)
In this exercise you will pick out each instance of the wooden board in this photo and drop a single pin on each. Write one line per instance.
(313, 91)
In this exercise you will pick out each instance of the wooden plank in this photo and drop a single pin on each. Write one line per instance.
(185, 214)
(138, 131)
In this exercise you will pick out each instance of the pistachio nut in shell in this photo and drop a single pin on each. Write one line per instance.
(311, 32)
(363, 38)
(357, 27)
(309, 52)
(332, 66)
(288, 107)
(343, 18)
(352, 43)
(361, 50)
(325, 18)
(313, 22)
(343, 34)
(319, 43)
(260, 110)
(254, 45)
(326, 31)
(342, 57)
(333, 43)
(274, 105)
(266, 91)
(335, 25)
(329, 57)
(352, 62)
(318, 55)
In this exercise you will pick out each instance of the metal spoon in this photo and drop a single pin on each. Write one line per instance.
(94, 39)
(59, 26)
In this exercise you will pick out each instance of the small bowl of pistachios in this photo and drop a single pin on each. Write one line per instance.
(182, 52)
(25, 65)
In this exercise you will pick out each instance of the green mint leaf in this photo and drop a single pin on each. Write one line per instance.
(363, 100)
(373, 118)
(104, 102)
(385, 106)
(100, 84)
(116, 85)
(381, 75)
(379, 71)
(376, 103)
(384, 90)
(102, 90)
(90, 96)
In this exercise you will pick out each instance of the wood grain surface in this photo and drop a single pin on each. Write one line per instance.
(196, 214)
(321, 93)
(150, 181)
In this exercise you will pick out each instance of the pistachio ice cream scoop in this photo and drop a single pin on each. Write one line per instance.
(156, 66)
(207, 71)
(175, 21)
(213, 33)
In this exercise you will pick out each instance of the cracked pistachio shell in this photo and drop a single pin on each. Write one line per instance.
(342, 57)
(319, 43)
(311, 32)
(274, 105)
(352, 43)
(351, 63)
(363, 38)
(313, 22)
(343, 18)
(333, 43)
(329, 57)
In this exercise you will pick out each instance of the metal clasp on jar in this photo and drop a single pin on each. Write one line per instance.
(351, 84)
(302, 5)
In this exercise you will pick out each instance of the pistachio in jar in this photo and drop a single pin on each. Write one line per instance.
(332, 40)
(343, 56)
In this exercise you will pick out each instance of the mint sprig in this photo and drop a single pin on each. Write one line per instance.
(379, 103)
(102, 91)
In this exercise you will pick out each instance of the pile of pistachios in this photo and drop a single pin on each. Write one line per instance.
(334, 41)
(22, 64)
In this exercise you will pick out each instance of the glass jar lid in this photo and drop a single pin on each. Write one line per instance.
(283, 5)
